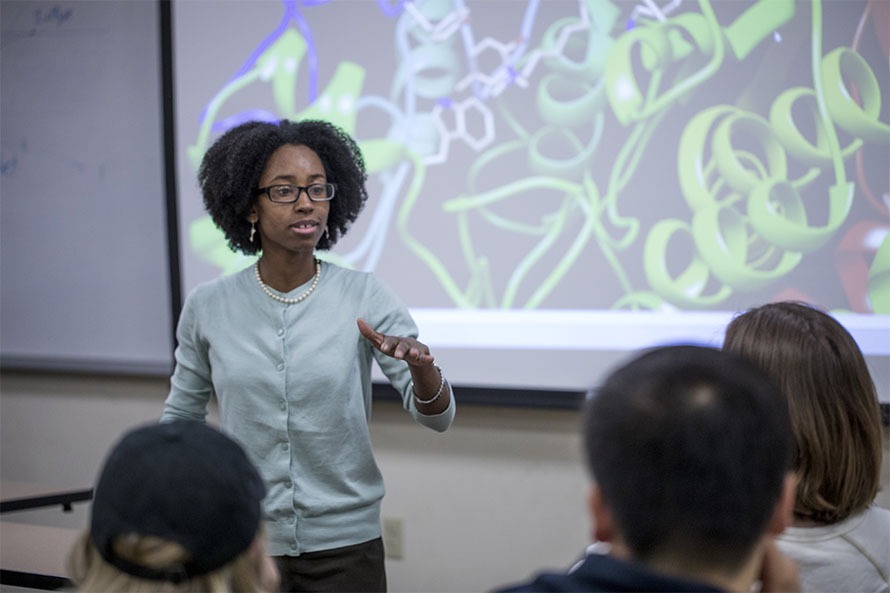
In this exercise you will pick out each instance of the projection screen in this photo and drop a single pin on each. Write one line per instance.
(555, 183)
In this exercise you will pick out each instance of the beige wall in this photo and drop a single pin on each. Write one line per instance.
(498, 496)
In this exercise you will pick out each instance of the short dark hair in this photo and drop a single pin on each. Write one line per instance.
(689, 447)
(232, 166)
(835, 414)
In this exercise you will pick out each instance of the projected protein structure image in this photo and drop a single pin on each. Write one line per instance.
(621, 155)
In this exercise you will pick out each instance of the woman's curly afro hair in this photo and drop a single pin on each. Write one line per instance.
(231, 169)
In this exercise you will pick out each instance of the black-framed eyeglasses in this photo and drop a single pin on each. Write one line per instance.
(287, 193)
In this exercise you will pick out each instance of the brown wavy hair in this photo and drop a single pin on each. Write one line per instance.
(835, 414)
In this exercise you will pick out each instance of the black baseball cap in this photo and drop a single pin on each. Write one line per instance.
(180, 481)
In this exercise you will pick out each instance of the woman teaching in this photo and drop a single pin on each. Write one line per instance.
(287, 345)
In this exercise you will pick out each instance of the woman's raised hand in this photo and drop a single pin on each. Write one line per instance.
(407, 349)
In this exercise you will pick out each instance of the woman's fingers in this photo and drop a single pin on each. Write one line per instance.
(407, 349)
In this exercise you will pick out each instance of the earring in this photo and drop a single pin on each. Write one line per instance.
(327, 233)
(252, 232)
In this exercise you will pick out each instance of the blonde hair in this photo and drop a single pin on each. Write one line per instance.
(835, 414)
(91, 573)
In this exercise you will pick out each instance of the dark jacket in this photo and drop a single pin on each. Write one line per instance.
(601, 572)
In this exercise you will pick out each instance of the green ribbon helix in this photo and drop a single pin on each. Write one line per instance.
(750, 222)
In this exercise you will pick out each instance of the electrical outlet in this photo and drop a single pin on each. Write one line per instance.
(393, 543)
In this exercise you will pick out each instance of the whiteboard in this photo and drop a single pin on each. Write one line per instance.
(84, 272)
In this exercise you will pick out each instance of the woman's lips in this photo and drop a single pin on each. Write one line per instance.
(304, 228)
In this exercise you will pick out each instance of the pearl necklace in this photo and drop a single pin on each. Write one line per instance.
(281, 299)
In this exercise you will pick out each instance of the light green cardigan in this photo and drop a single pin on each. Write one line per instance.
(293, 384)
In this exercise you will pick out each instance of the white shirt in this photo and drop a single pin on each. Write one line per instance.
(850, 555)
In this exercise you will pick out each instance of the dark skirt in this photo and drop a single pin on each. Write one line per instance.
(350, 569)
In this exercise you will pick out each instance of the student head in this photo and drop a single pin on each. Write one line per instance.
(234, 166)
(835, 414)
(177, 508)
(689, 449)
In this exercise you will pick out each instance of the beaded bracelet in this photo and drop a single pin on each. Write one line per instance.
(438, 393)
